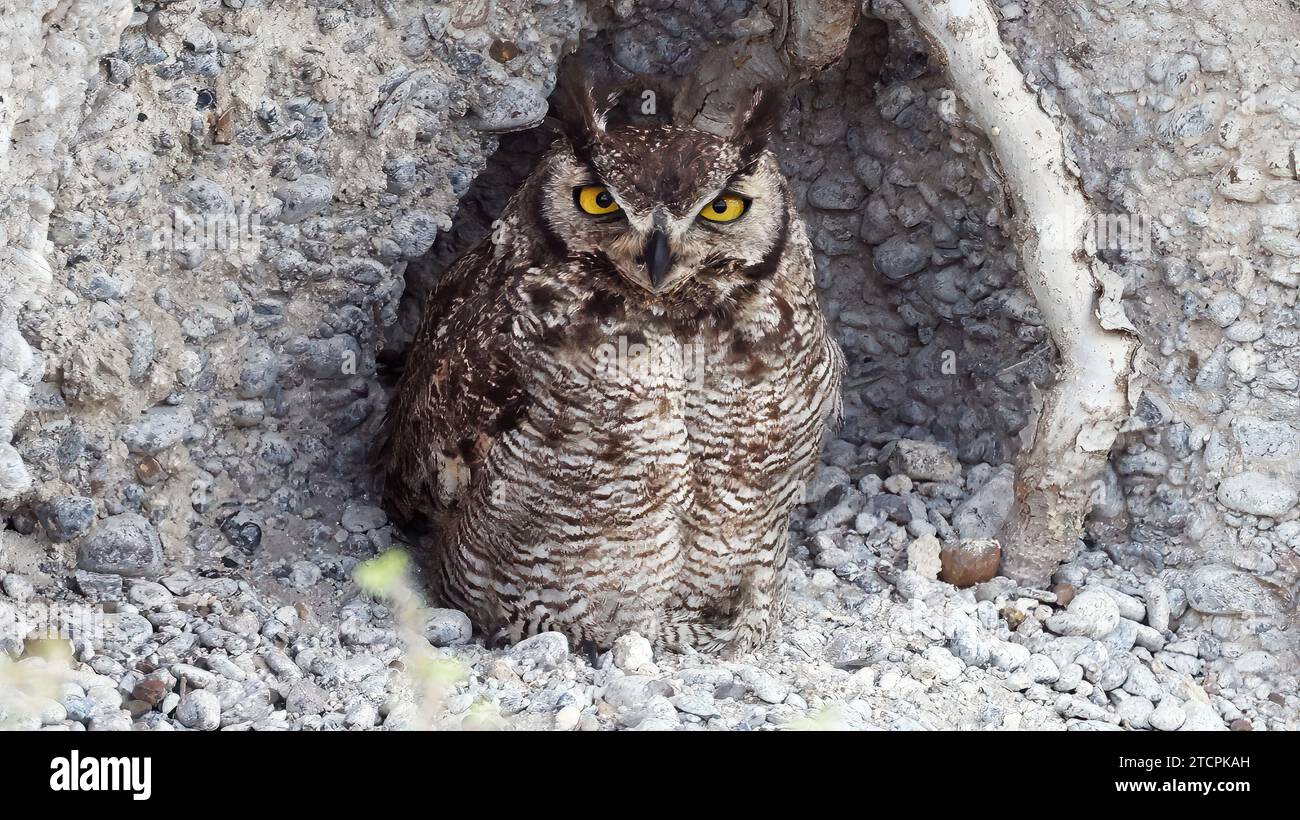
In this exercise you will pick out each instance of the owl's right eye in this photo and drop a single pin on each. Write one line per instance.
(595, 200)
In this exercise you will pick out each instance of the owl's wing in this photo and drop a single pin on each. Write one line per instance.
(459, 391)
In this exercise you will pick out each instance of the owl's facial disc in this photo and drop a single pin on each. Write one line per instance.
(667, 205)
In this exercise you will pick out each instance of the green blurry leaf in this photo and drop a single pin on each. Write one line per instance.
(380, 576)
(829, 719)
(442, 673)
(483, 716)
(53, 650)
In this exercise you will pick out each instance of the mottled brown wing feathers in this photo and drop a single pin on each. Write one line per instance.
(460, 389)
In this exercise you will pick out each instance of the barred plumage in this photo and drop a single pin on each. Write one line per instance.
(610, 419)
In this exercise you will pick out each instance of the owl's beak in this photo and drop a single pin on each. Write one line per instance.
(657, 257)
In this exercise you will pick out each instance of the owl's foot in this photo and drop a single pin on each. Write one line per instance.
(746, 631)
(756, 614)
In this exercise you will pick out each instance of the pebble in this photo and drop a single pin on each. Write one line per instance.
(567, 718)
(544, 651)
(699, 704)
(109, 721)
(1215, 589)
(1092, 614)
(124, 544)
(1157, 605)
(148, 595)
(1041, 669)
(982, 515)
(633, 653)
(159, 429)
(970, 562)
(18, 587)
(1129, 607)
(448, 627)
(924, 461)
(66, 517)
(1168, 716)
(765, 686)
(304, 574)
(1257, 494)
(1141, 681)
(199, 710)
(1201, 717)
(359, 517)
(923, 557)
(1136, 711)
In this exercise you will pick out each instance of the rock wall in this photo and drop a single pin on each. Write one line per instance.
(219, 216)
(1188, 114)
(239, 190)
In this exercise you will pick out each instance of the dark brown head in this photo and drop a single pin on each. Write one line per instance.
(666, 205)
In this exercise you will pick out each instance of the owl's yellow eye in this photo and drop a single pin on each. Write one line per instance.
(595, 200)
(726, 208)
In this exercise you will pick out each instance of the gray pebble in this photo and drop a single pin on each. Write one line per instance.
(124, 544)
(66, 517)
(199, 710)
(160, 428)
(1092, 614)
(544, 651)
(448, 627)
(17, 587)
(1168, 716)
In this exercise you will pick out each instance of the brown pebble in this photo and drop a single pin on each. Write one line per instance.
(149, 471)
(1241, 725)
(503, 51)
(1014, 617)
(970, 562)
(1065, 593)
(150, 691)
(138, 708)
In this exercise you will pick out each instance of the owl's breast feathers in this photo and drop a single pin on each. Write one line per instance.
(502, 342)
(460, 389)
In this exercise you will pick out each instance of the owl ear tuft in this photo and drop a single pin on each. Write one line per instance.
(756, 120)
(581, 111)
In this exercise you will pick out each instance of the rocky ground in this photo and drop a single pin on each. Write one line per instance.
(190, 414)
(871, 640)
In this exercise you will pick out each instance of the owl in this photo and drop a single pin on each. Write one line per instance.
(612, 404)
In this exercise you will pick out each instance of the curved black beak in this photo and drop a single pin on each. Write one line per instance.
(657, 257)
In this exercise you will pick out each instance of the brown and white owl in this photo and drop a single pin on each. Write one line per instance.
(612, 404)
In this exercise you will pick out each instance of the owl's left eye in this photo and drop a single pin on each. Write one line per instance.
(595, 200)
(726, 208)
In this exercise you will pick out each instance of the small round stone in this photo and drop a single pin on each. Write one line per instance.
(199, 710)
